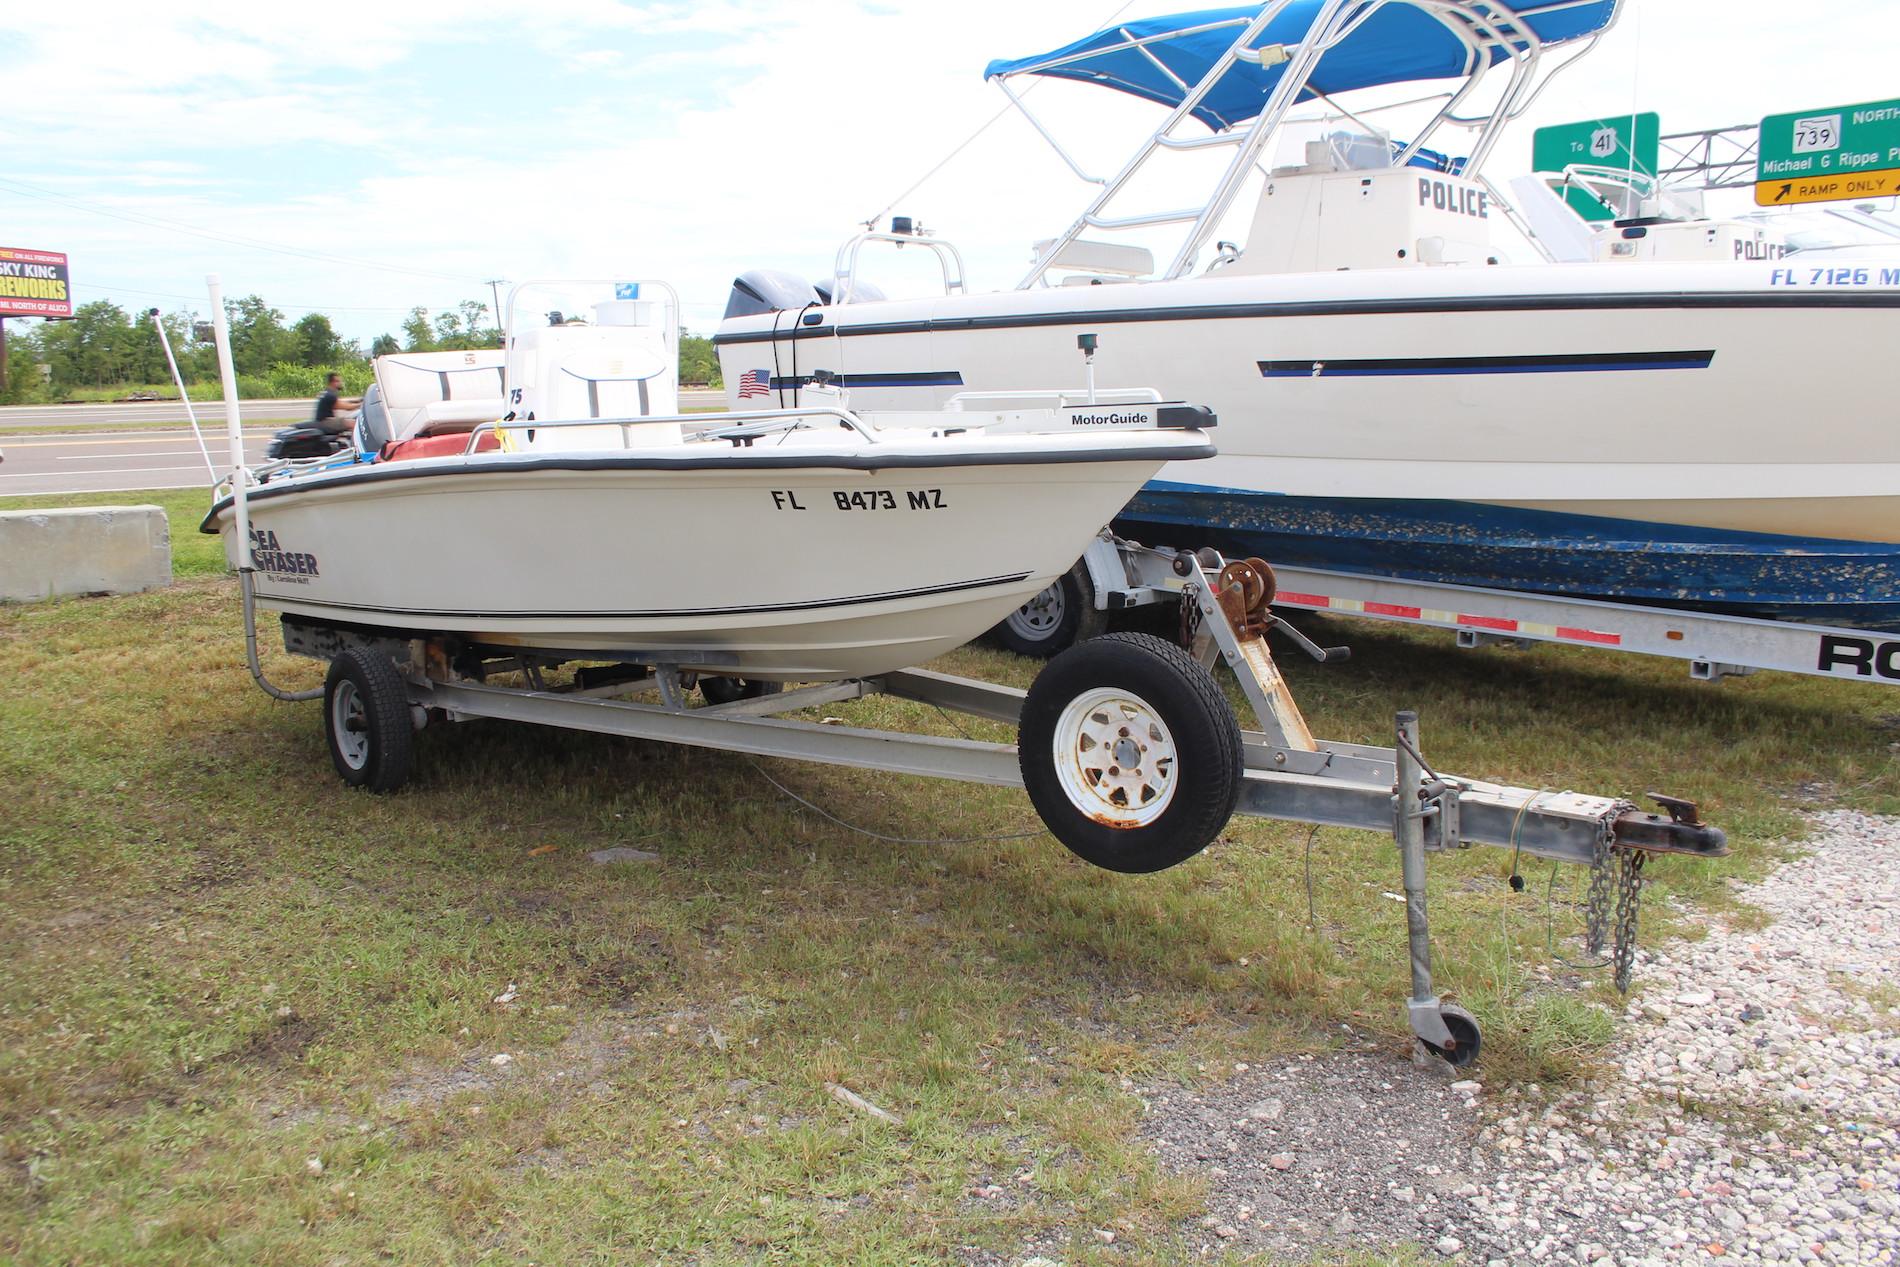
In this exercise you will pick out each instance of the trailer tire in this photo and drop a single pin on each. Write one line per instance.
(367, 721)
(730, 690)
(1091, 726)
(1058, 617)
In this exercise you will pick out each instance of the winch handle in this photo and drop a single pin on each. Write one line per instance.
(1324, 655)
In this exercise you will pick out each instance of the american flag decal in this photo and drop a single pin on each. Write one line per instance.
(754, 383)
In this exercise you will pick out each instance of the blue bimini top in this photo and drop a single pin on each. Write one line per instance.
(1396, 43)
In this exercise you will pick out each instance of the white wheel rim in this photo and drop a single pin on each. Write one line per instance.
(349, 725)
(1039, 617)
(1115, 759)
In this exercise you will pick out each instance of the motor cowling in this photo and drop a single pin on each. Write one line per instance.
(769, 290)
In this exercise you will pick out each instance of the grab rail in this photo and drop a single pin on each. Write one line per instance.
(844, 269)
(720, 433)
(1061, 396)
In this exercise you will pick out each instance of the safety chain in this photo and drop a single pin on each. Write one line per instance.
(1597, 917)
(1629, 893)
(1599, 913)
(1190, 615)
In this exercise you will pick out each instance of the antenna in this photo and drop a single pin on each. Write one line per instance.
(494, 290)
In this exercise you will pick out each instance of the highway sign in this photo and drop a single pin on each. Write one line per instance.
(1826, 155)
(1624, 142)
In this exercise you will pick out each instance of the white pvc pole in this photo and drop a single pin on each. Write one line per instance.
(240, 508)
(183, 395)
(233, 424)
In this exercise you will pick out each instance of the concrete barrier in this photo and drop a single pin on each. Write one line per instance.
(86, 550)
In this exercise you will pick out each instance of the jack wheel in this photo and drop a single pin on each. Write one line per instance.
(1130, 753)
(1058, 617)
(1465, 1037)
(367, 721)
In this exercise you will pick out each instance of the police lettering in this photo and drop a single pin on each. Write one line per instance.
(1462, 200)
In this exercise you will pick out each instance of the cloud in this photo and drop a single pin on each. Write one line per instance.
(685, 141)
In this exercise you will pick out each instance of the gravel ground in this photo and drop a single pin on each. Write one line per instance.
(1750, 1111)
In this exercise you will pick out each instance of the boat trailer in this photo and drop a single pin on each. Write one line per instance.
(1128, 749)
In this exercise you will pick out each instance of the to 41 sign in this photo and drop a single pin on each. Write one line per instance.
(1826, 155)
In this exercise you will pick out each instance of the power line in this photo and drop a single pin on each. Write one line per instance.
(112, 289)
(22, 189)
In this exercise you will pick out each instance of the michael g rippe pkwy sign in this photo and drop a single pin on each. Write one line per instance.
(1827, 155)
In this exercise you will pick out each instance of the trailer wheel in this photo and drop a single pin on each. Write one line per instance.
(366, 718)
(1061, 615)
(1129, 752)
(729, 690)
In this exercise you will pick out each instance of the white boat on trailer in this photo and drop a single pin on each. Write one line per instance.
(805, 543)
(1396, 401)
(1126, 745)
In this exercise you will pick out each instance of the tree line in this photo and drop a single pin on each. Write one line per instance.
(103, 346)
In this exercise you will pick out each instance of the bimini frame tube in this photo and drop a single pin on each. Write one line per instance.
(240, 508)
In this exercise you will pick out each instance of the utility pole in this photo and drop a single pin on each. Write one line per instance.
(494, 288)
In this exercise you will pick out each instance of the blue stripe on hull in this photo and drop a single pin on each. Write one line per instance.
(1428, 366)
(1463, 543)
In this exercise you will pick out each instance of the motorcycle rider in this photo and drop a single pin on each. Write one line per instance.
(329, 407)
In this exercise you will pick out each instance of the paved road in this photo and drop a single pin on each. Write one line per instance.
(155, 413)
(117, 462)
(81, 461)
(210, 413)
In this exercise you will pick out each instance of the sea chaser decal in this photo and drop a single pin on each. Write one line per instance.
(270, 558)
(1554, 363)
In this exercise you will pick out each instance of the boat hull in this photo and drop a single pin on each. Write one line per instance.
(1456, 424)
(767, 566)
(1540, 549)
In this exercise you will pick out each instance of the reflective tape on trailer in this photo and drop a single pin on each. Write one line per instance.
(1454, 619)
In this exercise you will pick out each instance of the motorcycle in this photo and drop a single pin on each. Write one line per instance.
(307, 440)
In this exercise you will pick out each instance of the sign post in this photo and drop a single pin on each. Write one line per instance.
(1830, 154)
(1624, 142)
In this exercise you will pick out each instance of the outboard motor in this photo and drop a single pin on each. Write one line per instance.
(769, 290)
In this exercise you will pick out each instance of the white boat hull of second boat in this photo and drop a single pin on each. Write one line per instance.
(1705, 434)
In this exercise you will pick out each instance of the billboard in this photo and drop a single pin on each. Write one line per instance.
(34, 284)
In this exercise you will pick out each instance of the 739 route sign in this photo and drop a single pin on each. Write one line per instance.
(1826, 155)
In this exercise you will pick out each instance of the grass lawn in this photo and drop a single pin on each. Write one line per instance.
(252, 1016)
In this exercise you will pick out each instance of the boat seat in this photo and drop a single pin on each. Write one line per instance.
(436, 446)
(459, 417)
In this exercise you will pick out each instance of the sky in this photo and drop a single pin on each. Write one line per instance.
(362, 158)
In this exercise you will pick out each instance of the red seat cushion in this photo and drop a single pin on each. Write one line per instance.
(437, 446)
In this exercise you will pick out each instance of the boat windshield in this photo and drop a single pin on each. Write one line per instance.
(1163, 59)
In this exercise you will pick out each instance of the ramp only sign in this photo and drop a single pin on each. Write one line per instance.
(34, 283)
(1828, 155)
